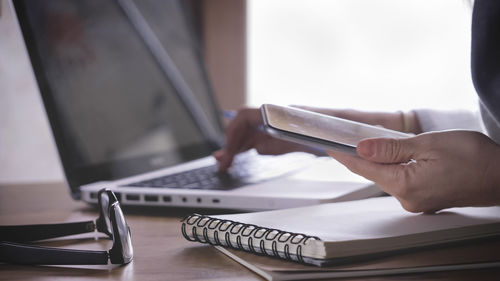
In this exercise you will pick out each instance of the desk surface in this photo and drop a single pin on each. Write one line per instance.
(160, 251)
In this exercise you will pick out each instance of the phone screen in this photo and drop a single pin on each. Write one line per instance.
(320, 126)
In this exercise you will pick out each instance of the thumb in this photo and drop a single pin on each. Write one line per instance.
(384, 150)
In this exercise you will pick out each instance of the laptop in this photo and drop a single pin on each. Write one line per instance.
(131, 109)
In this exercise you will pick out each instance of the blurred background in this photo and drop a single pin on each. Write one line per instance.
(366, 54)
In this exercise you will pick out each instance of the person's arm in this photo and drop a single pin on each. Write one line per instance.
(407, 122)
(243, 132)
(440, 120)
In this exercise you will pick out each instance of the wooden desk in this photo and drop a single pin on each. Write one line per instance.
(160, 251)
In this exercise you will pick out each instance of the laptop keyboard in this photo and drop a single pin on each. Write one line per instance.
(245, 170)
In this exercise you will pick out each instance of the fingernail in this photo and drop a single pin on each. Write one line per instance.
(366, 149)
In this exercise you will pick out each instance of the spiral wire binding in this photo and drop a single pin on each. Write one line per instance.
(232, 228)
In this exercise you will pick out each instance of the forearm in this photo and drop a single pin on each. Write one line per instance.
(439, 120)
(407, 122)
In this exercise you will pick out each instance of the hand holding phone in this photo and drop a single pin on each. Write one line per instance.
(320, 130)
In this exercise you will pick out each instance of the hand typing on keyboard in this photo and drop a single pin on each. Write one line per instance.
(244, 133)
(247, 168)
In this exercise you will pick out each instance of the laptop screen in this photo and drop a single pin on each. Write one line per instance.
(113, 111)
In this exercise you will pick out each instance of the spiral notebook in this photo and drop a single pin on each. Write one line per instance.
(337, 232)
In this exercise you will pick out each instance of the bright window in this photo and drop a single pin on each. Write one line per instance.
(363, 54)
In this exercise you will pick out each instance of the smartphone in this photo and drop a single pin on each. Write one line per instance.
(320, 130)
